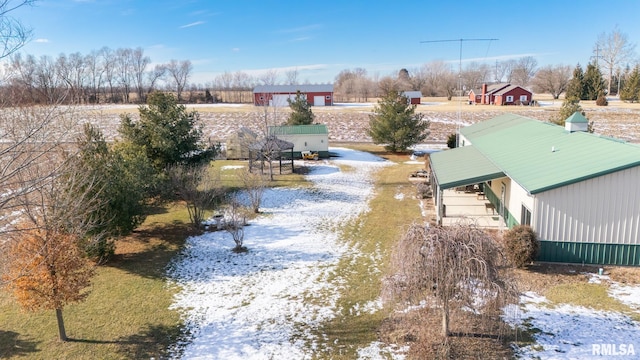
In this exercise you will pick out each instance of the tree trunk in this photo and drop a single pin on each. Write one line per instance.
(445, 320)
(63, 334)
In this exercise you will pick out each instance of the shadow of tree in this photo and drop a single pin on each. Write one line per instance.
(148, 250)
(153, 342)
(12, 345)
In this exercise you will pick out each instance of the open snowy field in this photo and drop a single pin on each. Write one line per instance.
(265, 303)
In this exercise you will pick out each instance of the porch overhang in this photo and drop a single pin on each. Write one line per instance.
(462, 166)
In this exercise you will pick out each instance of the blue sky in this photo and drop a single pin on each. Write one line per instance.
(322, 38)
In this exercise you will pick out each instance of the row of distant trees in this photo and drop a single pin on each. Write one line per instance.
(105, 76)
(125, 75)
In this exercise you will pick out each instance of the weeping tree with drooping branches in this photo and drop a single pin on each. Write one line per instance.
(457, 267)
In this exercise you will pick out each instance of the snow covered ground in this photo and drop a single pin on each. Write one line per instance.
(575, 332)
(265, 303)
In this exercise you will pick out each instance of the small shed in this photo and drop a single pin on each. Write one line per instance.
(304, 138)
(414, 97)
(277, 95)
(237, 144)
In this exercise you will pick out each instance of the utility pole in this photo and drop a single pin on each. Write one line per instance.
(459, 76)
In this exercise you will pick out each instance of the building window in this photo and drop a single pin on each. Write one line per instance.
(328, 97)
(261, 97)
(525, 216)
(509, 98)
(523, 98)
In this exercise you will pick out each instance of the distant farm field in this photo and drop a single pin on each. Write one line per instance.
(347, 122)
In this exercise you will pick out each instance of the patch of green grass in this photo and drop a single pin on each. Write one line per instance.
(126, 315)
(228, 171)
(359, 278)
(589, 295)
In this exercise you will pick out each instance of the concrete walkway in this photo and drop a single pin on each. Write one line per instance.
(469, 208)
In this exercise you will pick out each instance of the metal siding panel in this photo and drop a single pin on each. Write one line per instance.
(590, 253)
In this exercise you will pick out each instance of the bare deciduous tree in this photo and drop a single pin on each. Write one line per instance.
(291, 77)
(154, 76)
(13, 34)
(255, 185)
(179, 72)
(552, 79)
(198, 188)
(612, 50)
(523, 70)
(235, 218)
(458, 267)
(139, 63)
(269, 77)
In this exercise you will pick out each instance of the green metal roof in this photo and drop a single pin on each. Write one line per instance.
(462, 166)
(542, 156)
(317, 129)
(576, 117)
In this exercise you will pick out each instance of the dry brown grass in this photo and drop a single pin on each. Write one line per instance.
(348, 123)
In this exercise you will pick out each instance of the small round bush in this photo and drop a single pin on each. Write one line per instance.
(521, 245)
(602, 101)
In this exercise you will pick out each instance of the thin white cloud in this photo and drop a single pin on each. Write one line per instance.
(299, 39)
(235, 49)
(42, 40)
(192, 24)
(299, 29)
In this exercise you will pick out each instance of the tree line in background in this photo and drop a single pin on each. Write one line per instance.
(125, 75)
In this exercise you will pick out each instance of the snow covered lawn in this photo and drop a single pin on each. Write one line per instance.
(265, 304)
(564, 331)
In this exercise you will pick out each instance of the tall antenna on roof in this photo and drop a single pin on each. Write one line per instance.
(459, 76)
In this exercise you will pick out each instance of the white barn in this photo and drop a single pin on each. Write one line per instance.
(577, 190)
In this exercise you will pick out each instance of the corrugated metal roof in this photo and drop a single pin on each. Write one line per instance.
(541, 156)
(462, 166)
(576, 117)
(412, 94)
(292, 89)
(316, 129)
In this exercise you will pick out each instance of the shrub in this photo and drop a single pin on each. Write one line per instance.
(602, 100)
(521, 245)
(424, 191)
(452, 140)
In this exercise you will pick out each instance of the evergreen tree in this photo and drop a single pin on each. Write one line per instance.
(569, 107)
(452, 140)
(631, 90)
(576, 85)
(168, 132)
(300, 111)
(593, 83)
(395, 123)
(122, 179)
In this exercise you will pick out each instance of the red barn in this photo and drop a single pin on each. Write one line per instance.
(277, 95)
(501, 94)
